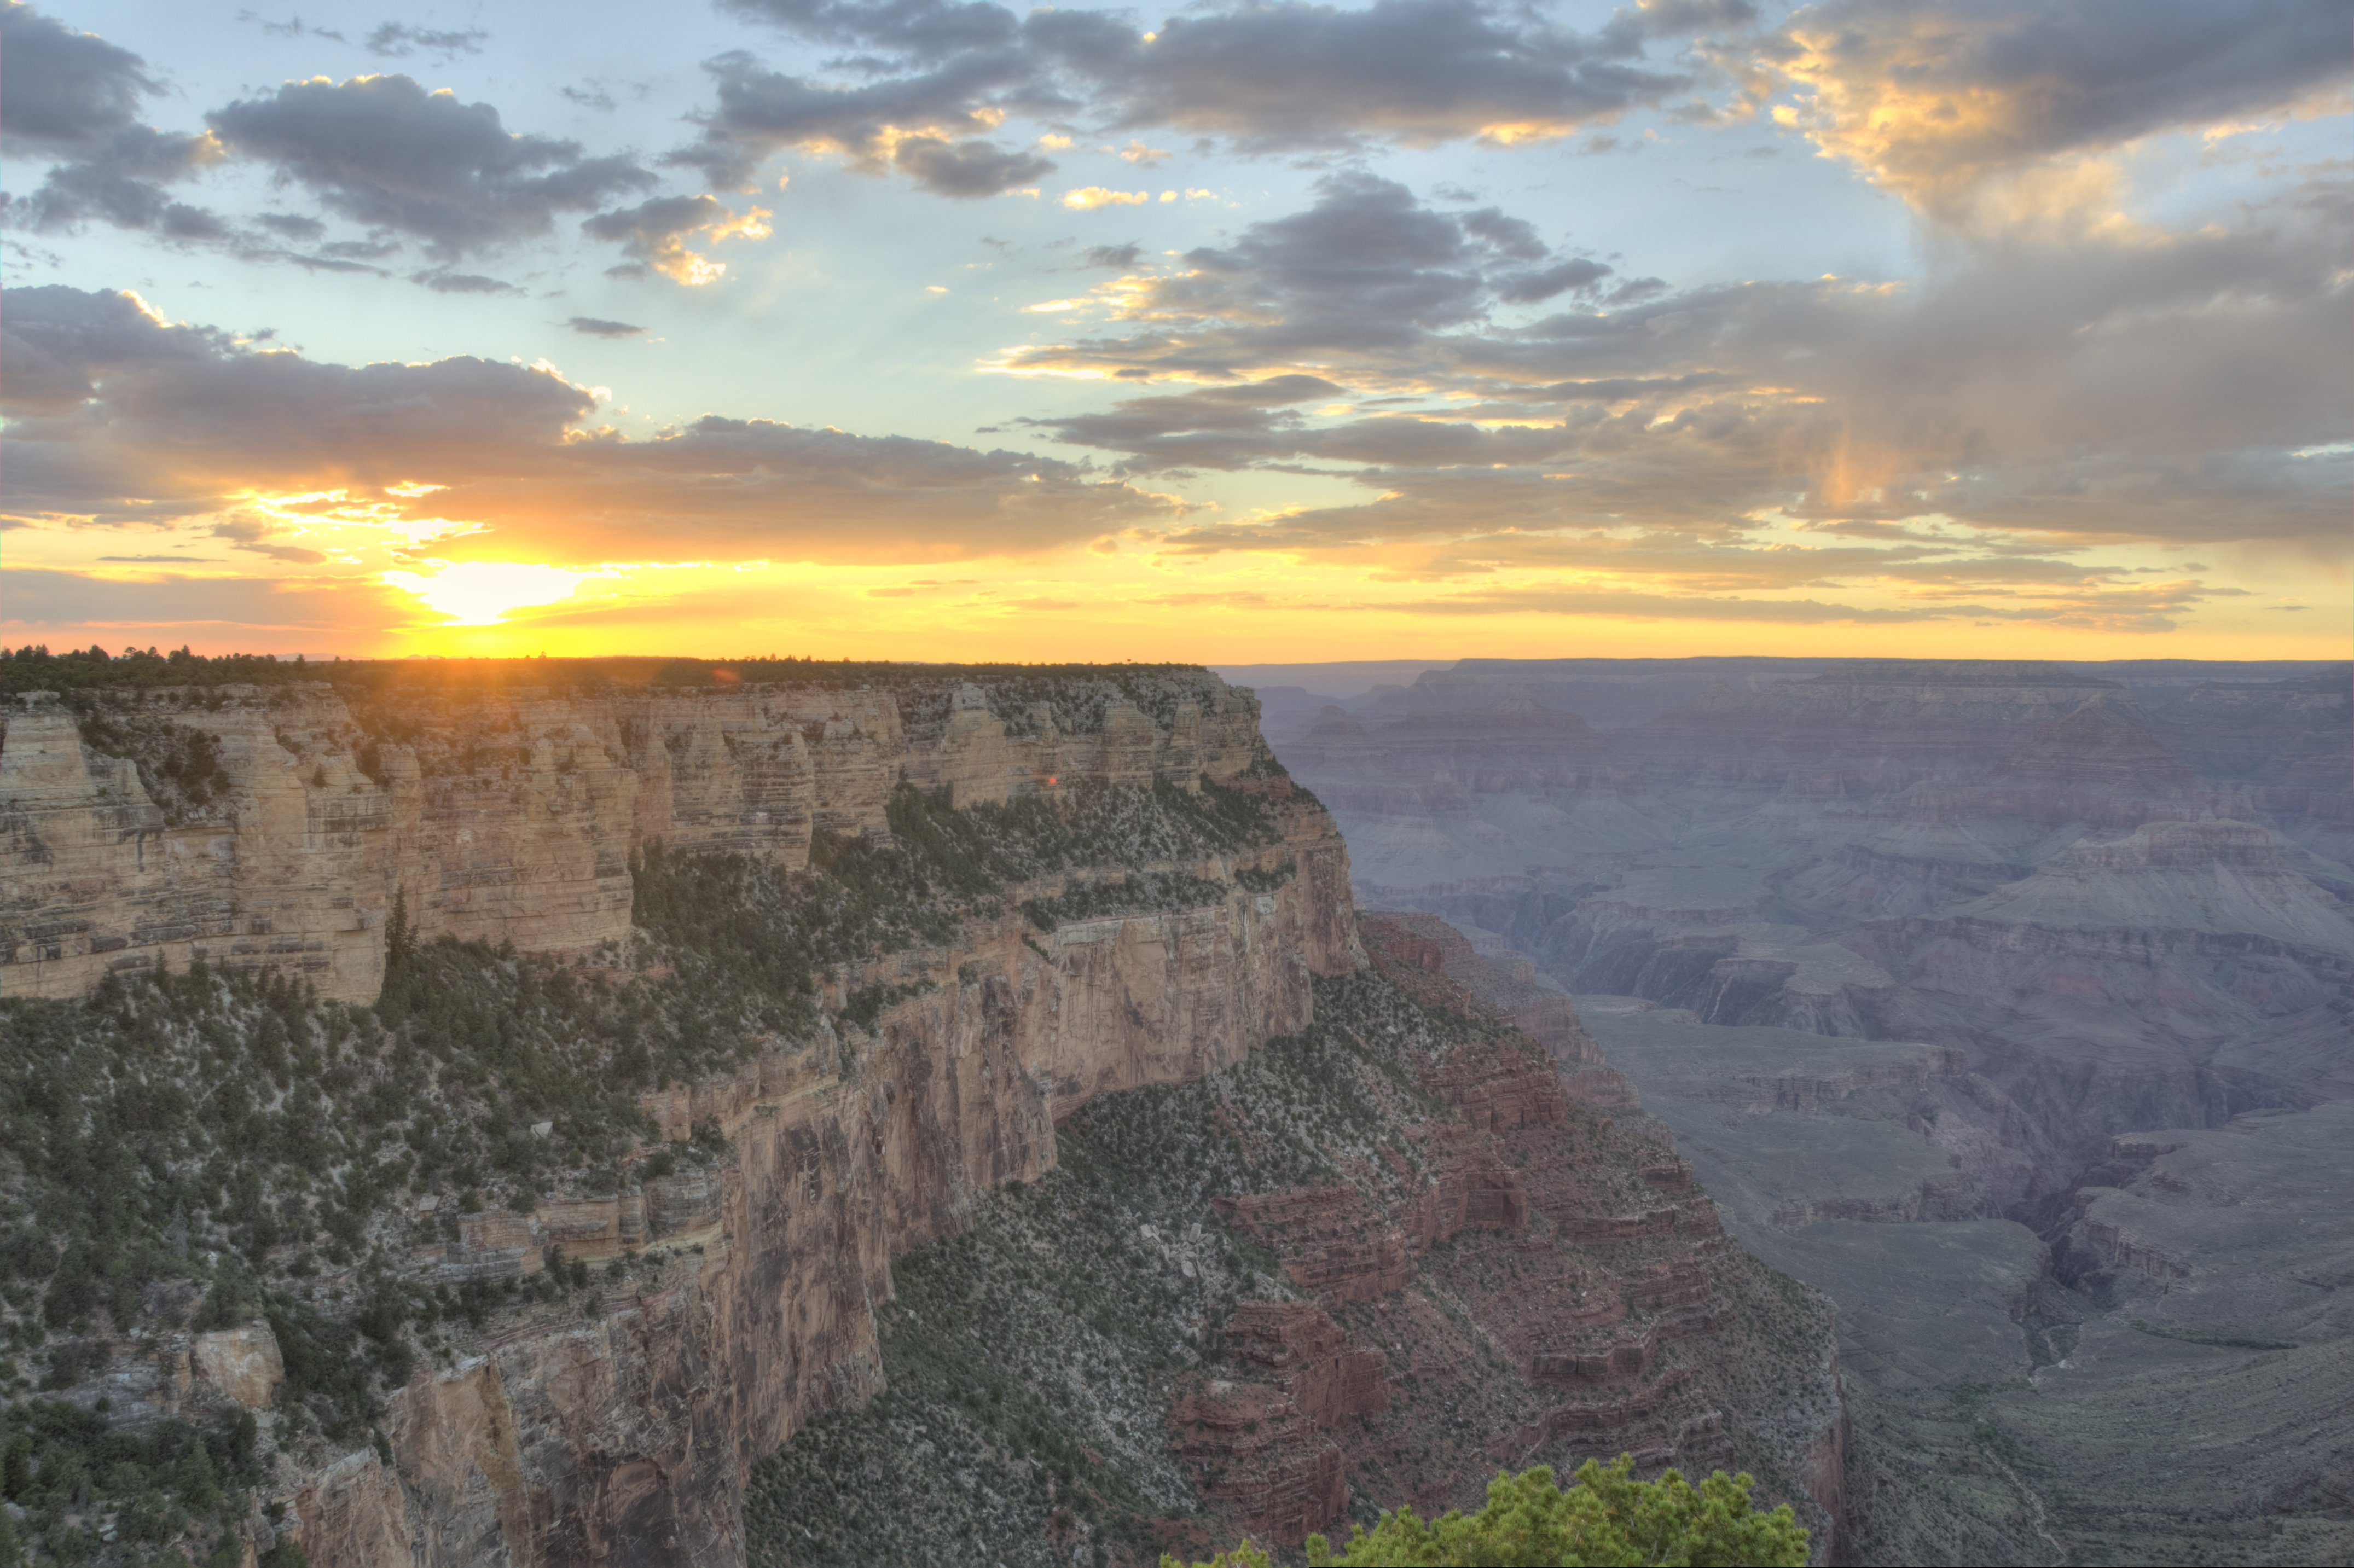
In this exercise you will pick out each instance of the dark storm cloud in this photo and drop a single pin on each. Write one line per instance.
(384, 152)
(968, 169)
(1934, 96)
(1266, 78)
(597, 327)
(120, 418)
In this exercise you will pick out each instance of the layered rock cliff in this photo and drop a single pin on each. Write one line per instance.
(966, 908)
(1897, 948)
(503, 812)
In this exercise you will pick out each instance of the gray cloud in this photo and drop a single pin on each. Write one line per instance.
(1420, 71)
(1576, 275)
(462, 283)
(120, 418)
(760, 111)
(75, 97)
(292, 28)
(56, 341)
(2055, 393)
(968, 169)
(1365, 278)
(395, 40)
(1223, 428)
(652, 235)
(123, 182)
(64, 92)
(597, 327)
(246, 531)
(382, 151)
(292, 226)
(1264, 77)
(1935, 96)
(1633, 606)
(923, 29)
(38, 599)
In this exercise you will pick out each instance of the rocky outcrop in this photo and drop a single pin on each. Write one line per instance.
(559, 1440)
(505, 813)
(1571, 1244)
(242, 1364)
(511, 815)
(1263, 1447)
(1539, 1009)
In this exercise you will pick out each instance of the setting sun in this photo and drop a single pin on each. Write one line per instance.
(480, 593)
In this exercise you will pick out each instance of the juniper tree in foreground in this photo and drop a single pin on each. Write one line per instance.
(1603, 1518)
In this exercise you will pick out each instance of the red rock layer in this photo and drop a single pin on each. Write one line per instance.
(1428, 946)
(1526, 1235)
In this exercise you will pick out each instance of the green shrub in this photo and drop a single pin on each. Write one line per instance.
(1605, 1517)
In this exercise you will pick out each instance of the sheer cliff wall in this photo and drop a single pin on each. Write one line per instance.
(626, 1435)
(627, 1438)
(508, 815)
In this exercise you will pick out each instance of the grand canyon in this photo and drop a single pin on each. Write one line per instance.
(1919, 1086)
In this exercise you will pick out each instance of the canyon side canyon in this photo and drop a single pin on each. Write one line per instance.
(2011, 1005)
(542, 1114)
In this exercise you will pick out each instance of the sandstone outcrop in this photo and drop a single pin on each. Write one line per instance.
(242, 1364)
(563, 1439)
(498, 814)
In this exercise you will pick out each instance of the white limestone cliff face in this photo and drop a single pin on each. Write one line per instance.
(506, 816)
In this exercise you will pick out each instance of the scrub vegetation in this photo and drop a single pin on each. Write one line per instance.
(191, 1150)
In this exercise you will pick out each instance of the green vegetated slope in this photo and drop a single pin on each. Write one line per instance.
(1074, 696)
(1034, 1361)
(200, 1149)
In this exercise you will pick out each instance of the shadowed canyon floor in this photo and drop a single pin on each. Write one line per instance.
(2011, 1006)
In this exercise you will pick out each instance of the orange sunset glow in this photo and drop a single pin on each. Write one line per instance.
(1932, 353)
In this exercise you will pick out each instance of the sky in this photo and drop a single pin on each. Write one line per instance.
(1227, 334)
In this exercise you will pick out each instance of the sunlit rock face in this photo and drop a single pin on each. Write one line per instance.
(503, 815)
